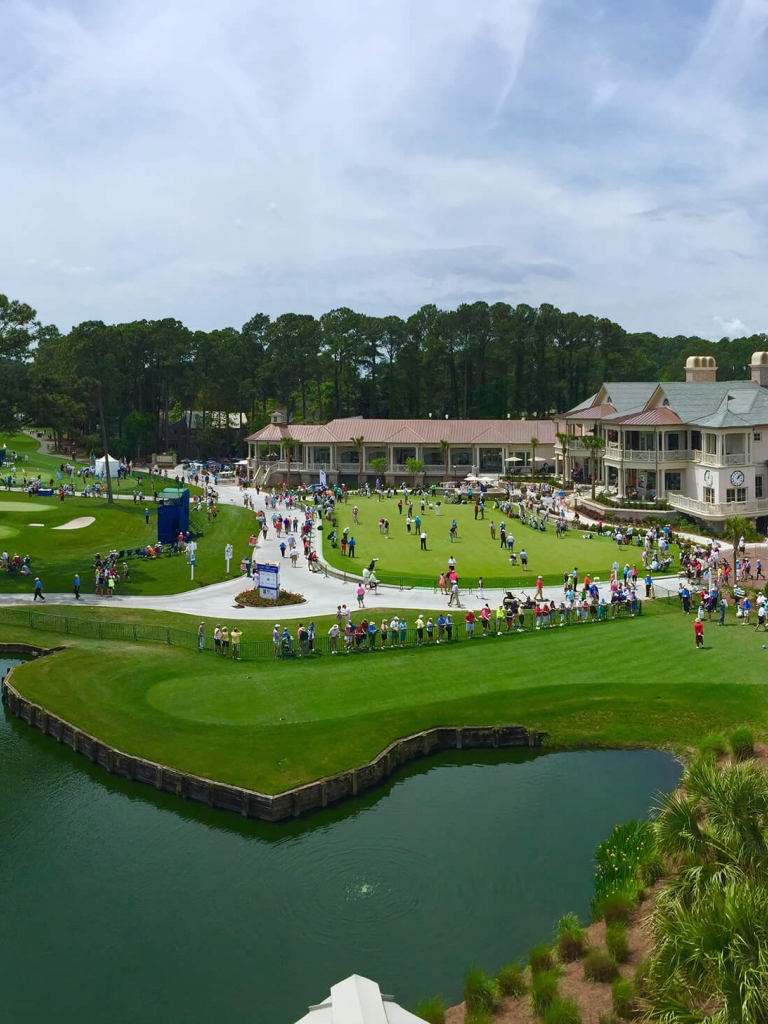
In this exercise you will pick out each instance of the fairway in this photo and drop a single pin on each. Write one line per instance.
(272, 726)
(400, 555)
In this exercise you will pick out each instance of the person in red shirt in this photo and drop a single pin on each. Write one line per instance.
(539, 587)
(698, 629)
(469, 624)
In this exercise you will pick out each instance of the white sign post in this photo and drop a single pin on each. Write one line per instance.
(192, 564)
(228, 552)
(269, 580)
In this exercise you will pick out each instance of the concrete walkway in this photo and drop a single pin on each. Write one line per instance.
(323, 594)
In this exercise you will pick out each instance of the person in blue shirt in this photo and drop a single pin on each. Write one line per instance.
(76, 587)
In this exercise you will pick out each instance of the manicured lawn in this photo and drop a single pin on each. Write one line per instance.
(273, 725)
(400, 555)
(56, 555)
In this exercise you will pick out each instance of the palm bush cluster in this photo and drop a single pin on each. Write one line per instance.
(710, 923)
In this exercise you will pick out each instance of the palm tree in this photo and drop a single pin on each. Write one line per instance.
(534, 445)
(379, 467)
(594, 443)
(358, 442)
(445, 449)
(710, 925)
(565, 443)
(288, 443)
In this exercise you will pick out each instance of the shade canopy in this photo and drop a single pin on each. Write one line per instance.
(513, 458)
(358, 1000)
(101, 466)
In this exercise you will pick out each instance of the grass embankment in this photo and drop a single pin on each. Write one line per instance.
(274, 725)
(400, 555)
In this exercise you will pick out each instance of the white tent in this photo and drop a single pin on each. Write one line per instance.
(357, 1000)
(101, 469)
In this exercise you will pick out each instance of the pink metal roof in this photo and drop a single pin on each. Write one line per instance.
(659, 416)
(406, 432)
(595, 412)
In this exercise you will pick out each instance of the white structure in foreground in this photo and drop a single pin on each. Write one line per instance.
(358, 1000)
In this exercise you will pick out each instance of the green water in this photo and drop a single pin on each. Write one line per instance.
(121, 904)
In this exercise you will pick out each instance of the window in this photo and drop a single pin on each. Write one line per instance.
(322, 455)
(757, 436)
(350, 457)
(758, 487)
(709, 495)
(673, 442)
(672, 482)
(696, 440)
(736, 494)
(403, 454)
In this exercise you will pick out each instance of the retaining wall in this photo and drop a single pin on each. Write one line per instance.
(247, 802)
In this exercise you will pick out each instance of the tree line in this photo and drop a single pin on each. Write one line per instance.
(136, 379)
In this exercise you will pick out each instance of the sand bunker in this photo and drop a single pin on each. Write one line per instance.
(35, 524)
(77, 524)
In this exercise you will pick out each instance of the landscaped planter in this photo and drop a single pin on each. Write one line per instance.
(252, 599)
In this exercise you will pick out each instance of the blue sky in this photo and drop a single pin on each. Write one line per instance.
(210, 161)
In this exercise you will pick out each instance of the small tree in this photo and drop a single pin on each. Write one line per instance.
(379, 467)
(288, 443)
(534, 445)
(414, 467)
(737, 527)
(358, 442)
(445, 450)
(594, 443)
(565, 443)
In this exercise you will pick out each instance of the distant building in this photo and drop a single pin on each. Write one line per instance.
(701, 445)
(460, 447)
(185, 432)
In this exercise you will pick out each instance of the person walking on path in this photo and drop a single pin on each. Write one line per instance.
(38, 590)
(201, 638)
(698, 630)
(454, 598)
(539, 588)
(480, 593)
(77, 587)
(361, 595)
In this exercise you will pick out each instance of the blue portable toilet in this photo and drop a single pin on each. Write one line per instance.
(172, 514)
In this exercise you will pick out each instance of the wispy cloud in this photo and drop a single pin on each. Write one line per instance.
(162, 157)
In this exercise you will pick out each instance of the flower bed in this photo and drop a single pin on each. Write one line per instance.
(252, 599)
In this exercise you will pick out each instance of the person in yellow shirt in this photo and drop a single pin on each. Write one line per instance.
(235, 638)
(224, 642)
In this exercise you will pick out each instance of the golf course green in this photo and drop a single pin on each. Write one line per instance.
(400, 556)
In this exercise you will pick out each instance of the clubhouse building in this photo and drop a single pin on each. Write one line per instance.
(700, 445)
(342, 450)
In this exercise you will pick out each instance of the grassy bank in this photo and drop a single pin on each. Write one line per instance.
(274, 725)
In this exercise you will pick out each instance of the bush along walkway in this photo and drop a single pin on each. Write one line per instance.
(680, 929)
(364, 640)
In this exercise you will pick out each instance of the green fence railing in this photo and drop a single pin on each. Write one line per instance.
(251, 650)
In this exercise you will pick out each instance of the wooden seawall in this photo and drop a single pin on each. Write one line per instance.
(248, 802)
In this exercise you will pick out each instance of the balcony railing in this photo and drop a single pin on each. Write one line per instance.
(719, 510)
(738, 459)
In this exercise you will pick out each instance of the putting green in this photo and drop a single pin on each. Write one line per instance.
(214, 701)
(8, 531)
(25, 506)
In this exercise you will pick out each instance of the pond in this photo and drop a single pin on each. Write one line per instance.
(122, 904)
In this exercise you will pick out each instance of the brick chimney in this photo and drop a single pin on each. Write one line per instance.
(759, 368)
(700, 368)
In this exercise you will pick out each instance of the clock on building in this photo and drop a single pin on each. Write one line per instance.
(708, 478)
(737, 478)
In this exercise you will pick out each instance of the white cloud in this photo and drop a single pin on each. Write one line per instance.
(206, 163)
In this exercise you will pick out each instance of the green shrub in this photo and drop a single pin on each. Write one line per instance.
(712, 747)
(431, 1010)
(641, 977)
(651, 869)
(479, 1017)
(618, 860)
(600, 966)
(512, 981)
(623, 994)
(540, 958)
(562, 1011)
(570, 938)
(480, 991)
(616, 941)
(618, 906)
(742, 743)
(543, 990)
